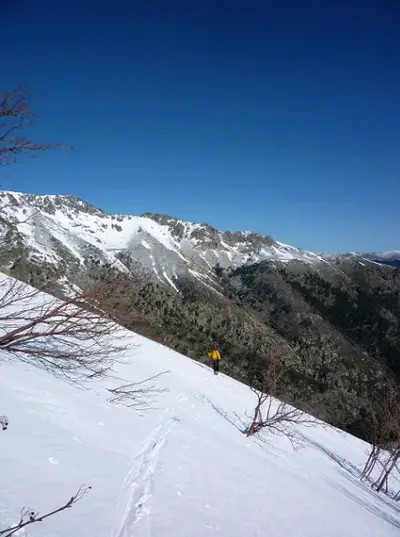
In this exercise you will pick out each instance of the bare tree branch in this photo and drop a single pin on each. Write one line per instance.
(28, 516)
(384, 414)
(73, 339)
(138, 395)
(15, 117)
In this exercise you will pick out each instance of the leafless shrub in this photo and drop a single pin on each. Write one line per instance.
(15, 116)
(138, 395)
(384, 413)
(383, 416)
(28, 516)
(371, 462)
(388, 461)
(72, 339)
(272, 414)
(384, 455)
(389, 464)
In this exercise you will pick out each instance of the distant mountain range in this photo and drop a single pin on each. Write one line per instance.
(386, 258)
(334, 318)
(68, 233)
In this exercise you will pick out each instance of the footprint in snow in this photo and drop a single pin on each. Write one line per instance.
(53, 461)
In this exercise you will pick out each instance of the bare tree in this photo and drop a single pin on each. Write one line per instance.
(384, 414)
(29, 517)
(390, 464)
(271, 413)
(72, 339)
(373, 458)
(384, 455)
(15, 116)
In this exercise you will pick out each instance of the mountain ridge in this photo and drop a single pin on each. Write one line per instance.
(166, 246)
(185, 245)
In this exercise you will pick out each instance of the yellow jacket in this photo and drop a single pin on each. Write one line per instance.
(214, 354)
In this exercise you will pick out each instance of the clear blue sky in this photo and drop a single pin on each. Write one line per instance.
(281, 117)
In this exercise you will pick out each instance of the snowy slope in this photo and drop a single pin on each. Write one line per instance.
(182, 469)
(387, 258)
(64, 230)
(394, 254)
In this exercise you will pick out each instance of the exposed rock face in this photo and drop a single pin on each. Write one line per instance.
(210, 237)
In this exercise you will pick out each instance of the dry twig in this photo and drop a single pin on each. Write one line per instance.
(28, 516)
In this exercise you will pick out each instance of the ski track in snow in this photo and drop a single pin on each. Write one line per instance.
(137, 488)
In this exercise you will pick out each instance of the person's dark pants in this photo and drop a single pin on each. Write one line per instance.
(216, 366)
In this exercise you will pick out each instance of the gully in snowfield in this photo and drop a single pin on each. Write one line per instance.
(215, 356)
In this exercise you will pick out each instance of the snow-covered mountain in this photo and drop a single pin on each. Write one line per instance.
(183, 468)
(391, 258)
(386, 258)
(66, 231)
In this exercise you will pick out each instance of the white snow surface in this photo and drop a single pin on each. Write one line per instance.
(182, 468)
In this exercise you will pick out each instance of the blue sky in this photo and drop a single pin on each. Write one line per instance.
(276, 117)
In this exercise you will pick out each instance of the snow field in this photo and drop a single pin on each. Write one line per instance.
(182, 467)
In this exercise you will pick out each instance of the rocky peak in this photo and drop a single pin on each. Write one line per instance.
(72, 203)
(176, 227)
(251, 241)
(206, 234)
(187, 230)
(50, 203)
(162, 219)
(212, 237)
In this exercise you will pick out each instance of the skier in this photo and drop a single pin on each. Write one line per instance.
(215, 356)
